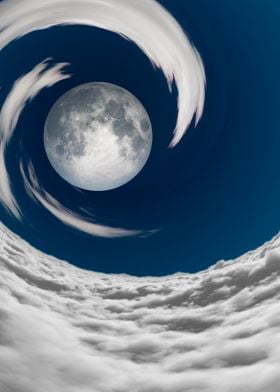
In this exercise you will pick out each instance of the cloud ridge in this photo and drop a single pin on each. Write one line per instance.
(62, 328)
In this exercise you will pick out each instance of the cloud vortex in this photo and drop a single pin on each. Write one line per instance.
(66, 329)
(146, 23)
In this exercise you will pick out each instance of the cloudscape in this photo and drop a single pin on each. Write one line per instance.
(139, 196)
(63, 328)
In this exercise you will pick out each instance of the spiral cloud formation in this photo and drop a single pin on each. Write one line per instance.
(66, 329)
(146, 23)
(24, 90)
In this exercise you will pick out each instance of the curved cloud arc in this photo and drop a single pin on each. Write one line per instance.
(145, 22)
(63, 214)
(64, 329)
(23, 91)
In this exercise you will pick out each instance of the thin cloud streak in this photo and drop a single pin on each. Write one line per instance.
(23, 91)
(66, 216)
(145, 23)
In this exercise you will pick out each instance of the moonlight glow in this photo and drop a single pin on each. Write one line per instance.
(98, 136)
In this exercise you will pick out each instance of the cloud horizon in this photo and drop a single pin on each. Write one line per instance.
(63, 328)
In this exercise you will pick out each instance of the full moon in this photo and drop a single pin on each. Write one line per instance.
(98, 136)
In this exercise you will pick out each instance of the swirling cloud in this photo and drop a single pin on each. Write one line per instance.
(145, 22)
(65, 329)
(22, 92)
(65, 215)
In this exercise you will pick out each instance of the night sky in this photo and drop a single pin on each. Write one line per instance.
(215, 195)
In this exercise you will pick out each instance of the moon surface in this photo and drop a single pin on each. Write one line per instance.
(98, 136)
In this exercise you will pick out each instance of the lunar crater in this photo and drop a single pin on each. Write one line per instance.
(98, 136)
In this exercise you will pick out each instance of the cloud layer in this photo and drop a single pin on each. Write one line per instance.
(65, 329)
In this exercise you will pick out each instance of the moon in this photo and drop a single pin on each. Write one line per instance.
(98, 136)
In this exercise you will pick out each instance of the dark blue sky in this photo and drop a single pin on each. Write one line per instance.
(216, 195)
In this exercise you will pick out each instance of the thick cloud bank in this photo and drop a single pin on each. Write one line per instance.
(65, 329)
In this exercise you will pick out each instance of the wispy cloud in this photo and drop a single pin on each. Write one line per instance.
(25, 89)
(66, 216)
(145, 22)
(22, 92)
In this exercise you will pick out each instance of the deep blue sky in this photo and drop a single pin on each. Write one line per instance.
(216, 195)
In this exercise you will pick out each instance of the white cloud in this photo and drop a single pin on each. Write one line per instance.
(66, 329)
(65, 215)
(145, 22)
(23, 90)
